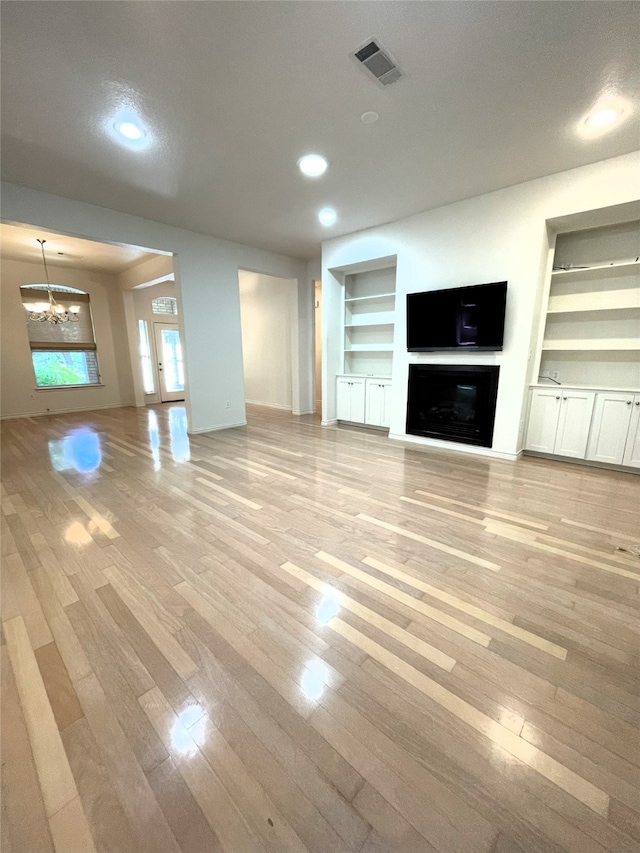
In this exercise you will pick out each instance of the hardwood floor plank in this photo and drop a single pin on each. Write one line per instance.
(477, 613)
(110, 826)
(438, 546)
(151, 830)
(70, 830)
(23, 828)
(566, 779)
(172, 651)
(54, 774)
(62, 697)
(219, 809)
(425, 649)
(183, 814)
(414, 603)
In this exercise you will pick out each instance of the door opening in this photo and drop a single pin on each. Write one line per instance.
(170, 362)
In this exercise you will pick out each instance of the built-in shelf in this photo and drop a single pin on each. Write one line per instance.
(604, 300)
(592, 329)
(365, 323)
(599, 271)
(594, 344)
(368, 298)
(368, 321)
(369, 348)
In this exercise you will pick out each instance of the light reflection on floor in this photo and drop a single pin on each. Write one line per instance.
(180, 449)
(80, 450)
(314, 679)
(178, 438)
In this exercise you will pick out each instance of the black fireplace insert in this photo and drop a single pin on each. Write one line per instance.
(453, 402)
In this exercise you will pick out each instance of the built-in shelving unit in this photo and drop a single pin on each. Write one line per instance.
(369, 315)
(592, 329)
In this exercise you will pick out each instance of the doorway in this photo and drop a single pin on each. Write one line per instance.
(170, 361)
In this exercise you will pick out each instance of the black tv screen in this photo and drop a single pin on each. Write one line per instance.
(459, 318)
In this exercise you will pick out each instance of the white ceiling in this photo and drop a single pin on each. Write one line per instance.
(20, 244)
(236, 92)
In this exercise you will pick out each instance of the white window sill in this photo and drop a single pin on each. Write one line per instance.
(71, 387)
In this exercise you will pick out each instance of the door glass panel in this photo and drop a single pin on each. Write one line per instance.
(172, 360)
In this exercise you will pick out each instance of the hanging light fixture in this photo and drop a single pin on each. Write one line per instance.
(51, 312)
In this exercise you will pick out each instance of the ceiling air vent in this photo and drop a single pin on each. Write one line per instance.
(378, 62)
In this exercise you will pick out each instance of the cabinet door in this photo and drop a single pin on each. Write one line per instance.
(609, 428)
(357, 400)
(343, 400)
(574, 422)
(377, 402)
(543, 420)
(632, 447)
(350, 400)
(385, 419)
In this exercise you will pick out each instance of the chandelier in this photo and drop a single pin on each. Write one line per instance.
(50, 312)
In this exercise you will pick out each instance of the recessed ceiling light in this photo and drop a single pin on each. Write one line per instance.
(127, 129)
(130, 130)
(369, 117)
(327, 216)
(607, 114)
(313, 165)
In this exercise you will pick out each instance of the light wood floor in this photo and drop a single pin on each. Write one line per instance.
(312, 639)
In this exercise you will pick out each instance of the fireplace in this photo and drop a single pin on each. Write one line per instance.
(453, 402)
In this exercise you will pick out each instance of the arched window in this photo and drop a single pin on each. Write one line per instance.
(61, 338)
(164, 305)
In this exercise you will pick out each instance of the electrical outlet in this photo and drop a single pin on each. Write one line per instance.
(554, 374)
(227, 405)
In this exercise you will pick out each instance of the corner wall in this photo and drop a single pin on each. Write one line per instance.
(495, 237)
(268, 307)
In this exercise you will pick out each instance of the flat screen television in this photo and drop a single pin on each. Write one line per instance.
(459, 318)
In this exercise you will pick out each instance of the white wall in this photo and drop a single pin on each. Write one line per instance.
(267, 305)
(19, 393)
(502, 235)
(206, 270)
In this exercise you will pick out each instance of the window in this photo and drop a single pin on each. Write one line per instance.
(63, 354)
(145, 357)
(164, 305)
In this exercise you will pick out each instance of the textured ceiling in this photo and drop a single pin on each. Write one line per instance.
(235, 92)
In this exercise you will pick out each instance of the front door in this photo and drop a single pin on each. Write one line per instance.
(170, 363)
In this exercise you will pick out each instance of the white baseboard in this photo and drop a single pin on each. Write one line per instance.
(329, 423)
(268, 405)
(216, 427)
(305, 412)
(67, 411)
(455, 446)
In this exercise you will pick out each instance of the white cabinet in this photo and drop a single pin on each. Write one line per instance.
(350, 399)
(559, 421)
(600, 426)
(610, 427)
(576, 408)
(632, 447)
(377, 411)
(364, 400)
(543, 420)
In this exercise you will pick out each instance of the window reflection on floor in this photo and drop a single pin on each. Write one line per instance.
(79, 451)
(178, 438)
(154, 438)
(180, 449)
